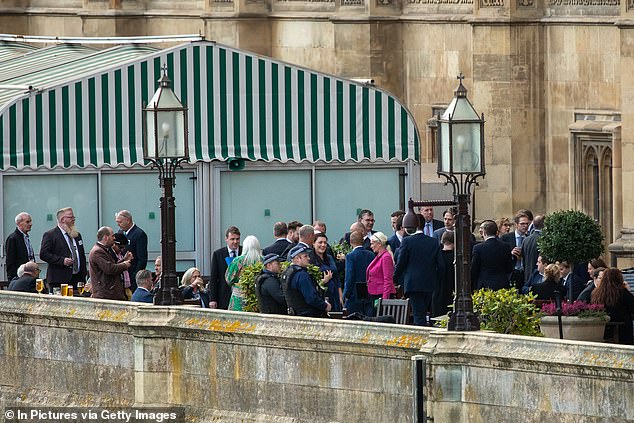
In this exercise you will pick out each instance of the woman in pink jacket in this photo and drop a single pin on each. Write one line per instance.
(380, 271)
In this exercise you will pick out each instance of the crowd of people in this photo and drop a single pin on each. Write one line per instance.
(363, 266)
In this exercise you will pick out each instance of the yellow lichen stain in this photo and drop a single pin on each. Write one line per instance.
(71, 312)
(605, 360)
(217, 325)
(365, 339)
(109, 315)
(176, 360)
(407, 341)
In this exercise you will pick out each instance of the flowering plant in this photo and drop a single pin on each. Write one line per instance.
(578, 309)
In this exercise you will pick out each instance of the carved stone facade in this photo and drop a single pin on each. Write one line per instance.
(530, 67)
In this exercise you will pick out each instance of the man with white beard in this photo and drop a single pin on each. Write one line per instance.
(63, 249)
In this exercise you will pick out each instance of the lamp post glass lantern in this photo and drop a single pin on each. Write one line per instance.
(165, 146)
(461, 162)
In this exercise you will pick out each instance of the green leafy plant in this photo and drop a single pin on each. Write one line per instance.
(341, 248)
(507, 311)
(314, 272)
(572, 236)
(247, 285)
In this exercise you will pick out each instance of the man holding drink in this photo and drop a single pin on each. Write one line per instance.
(26, 282)
(105, 272)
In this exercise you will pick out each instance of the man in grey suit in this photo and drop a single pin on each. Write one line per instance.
(418, 268)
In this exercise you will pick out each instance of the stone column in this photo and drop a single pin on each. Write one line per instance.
(508, 70)
(623, 247)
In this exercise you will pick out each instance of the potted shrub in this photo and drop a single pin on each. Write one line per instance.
(580, 321)
(572, 236)
(507, 311)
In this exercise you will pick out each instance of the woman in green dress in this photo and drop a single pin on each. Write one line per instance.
(251, 254)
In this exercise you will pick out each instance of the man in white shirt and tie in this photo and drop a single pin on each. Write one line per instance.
(219, 290)
(63, 249)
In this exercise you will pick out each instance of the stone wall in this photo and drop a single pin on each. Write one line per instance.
(241, 367)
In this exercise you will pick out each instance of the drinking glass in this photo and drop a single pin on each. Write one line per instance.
(80, 288)
(64, 289)
(39, 285)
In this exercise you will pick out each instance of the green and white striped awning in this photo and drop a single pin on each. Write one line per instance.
(86, 111)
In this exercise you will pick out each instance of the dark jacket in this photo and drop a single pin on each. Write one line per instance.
(219, 290)
(268, 289)
(137, 239)
(420, 264)
(302, 295)
(203, 295)
(491, 264)
(24, 284)
(16, 253)
(278, 247)
(53, 250)
(357, 262)
(105, 274)
(546, 290)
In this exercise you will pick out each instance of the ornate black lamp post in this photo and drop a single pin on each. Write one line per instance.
(461, 161)
(165, 146)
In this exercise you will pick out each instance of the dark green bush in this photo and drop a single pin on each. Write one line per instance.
(572, 236)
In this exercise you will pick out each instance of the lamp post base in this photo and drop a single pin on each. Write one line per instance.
(463, 322)
(167, 298)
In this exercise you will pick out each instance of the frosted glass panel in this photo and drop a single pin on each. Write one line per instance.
(341, 193)
(254, 200)
(140, 194)
(41, 196)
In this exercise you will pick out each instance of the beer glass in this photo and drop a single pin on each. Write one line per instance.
(69, 290)
(64, 288)
(39, 285)
(80, 288)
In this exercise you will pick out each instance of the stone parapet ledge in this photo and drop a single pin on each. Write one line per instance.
(272, 330)
(526, 352)
(29, 308)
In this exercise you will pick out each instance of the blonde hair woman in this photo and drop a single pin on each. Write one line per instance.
(381, 269)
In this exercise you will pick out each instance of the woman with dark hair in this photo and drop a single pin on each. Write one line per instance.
(586, 294)
(618, 302)
(328, 265)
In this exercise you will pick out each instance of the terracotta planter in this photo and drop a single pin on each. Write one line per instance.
(576, 328)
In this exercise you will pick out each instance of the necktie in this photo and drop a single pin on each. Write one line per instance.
(74, 254)
(29, 248)
(233, 254)
(428, 228)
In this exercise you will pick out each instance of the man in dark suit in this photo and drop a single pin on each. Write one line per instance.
(419, 267)
(219, 290)
(449, 225)
(18, 247)
(491, 262)
(137, 244)
(515, 240)
(306, 238)
(26, 282)
(394, 241)
(573, 284)
(530, 252)
(430, 224)
(355, 289)
(280, 232)
(63, 249)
